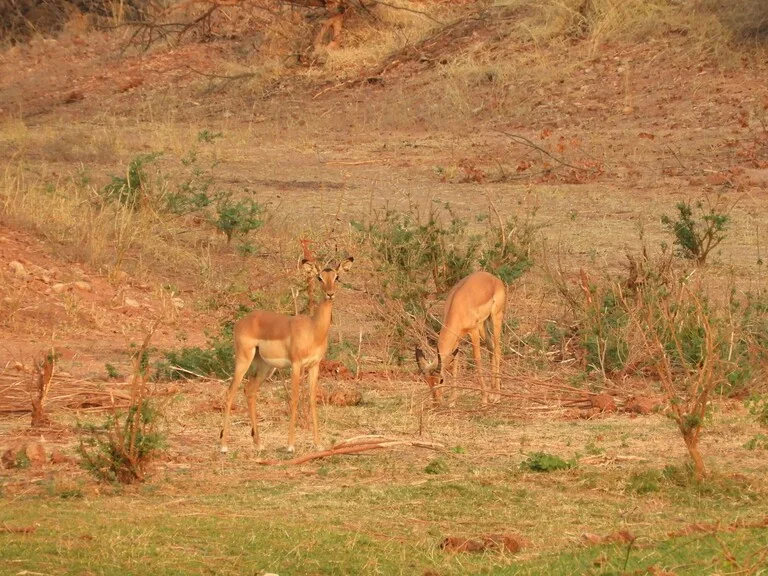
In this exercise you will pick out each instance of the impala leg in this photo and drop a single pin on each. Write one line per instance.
(498, 320)
(243, 359)
(475, 334)
(252, 387)
(296, 372)
(454, 376)
(314, 374)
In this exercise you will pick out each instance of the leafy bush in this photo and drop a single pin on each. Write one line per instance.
(436, 466)
(544, 462)
(644, 481)
(237, 217)
(216, 360)
(757, 405)
(421, 258)
(196, 195)
(757, 442)
(120, 449)
(697, 235)
(133, 189)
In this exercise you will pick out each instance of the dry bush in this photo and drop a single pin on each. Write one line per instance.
(669, 323)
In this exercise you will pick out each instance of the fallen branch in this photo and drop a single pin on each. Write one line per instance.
(17, 529)
(353, 446)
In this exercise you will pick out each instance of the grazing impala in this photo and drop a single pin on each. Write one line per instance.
(279, 341)
(474, 303)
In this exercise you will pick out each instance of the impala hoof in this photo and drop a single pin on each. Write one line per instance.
(290, 449)
(223, 449)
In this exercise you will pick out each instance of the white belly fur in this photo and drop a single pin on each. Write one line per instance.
(275, 353)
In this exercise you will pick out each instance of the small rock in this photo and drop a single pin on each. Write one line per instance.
(83, 285)
(9, 457)
(641, 405)
(18, 268)
(131, 302)
(35, 453)
(121, 276)
(58, 288)
(58, 457)
(604, 402)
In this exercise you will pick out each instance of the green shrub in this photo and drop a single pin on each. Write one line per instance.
(436, 466)
(696, 235)
(120, 449)
(757, 442)
(217, 359)
(421, 258)
(132, 190)
(644, 481)
(237, 217)
(757, 405)
(544, 462)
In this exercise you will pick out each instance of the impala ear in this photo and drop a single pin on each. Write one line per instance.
(346, 264)
(309, 267)
(424, 366)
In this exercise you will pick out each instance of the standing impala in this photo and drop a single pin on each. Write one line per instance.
(280, 341)
(474, 303)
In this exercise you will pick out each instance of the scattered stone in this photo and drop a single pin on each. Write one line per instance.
(120, 276)
(641, 405)
(591, 539)
(58, 457)
(621, 537)
(9, 457)
(603, 402)
(506, 542)
(83, 286)
(58, 288)
(131, 303)
(18, 268)
(35, 453)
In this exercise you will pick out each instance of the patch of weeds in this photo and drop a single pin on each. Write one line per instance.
(134, 189)
(217, 359)
(111, 371)
(421, 257)
(66, 492)
(757, 404)
(696, 235)
(545, 462)
(644, 481)
(458, 450)
(22, 460)
(678, 475)
(593, 449)
(206, 135)
(237, 217)
(757, 442)
(436, 466)
(120, 449)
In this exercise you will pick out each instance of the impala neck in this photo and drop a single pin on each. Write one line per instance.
(446, 345)
(322, 319)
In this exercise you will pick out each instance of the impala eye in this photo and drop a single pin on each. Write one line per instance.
(320, 278)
